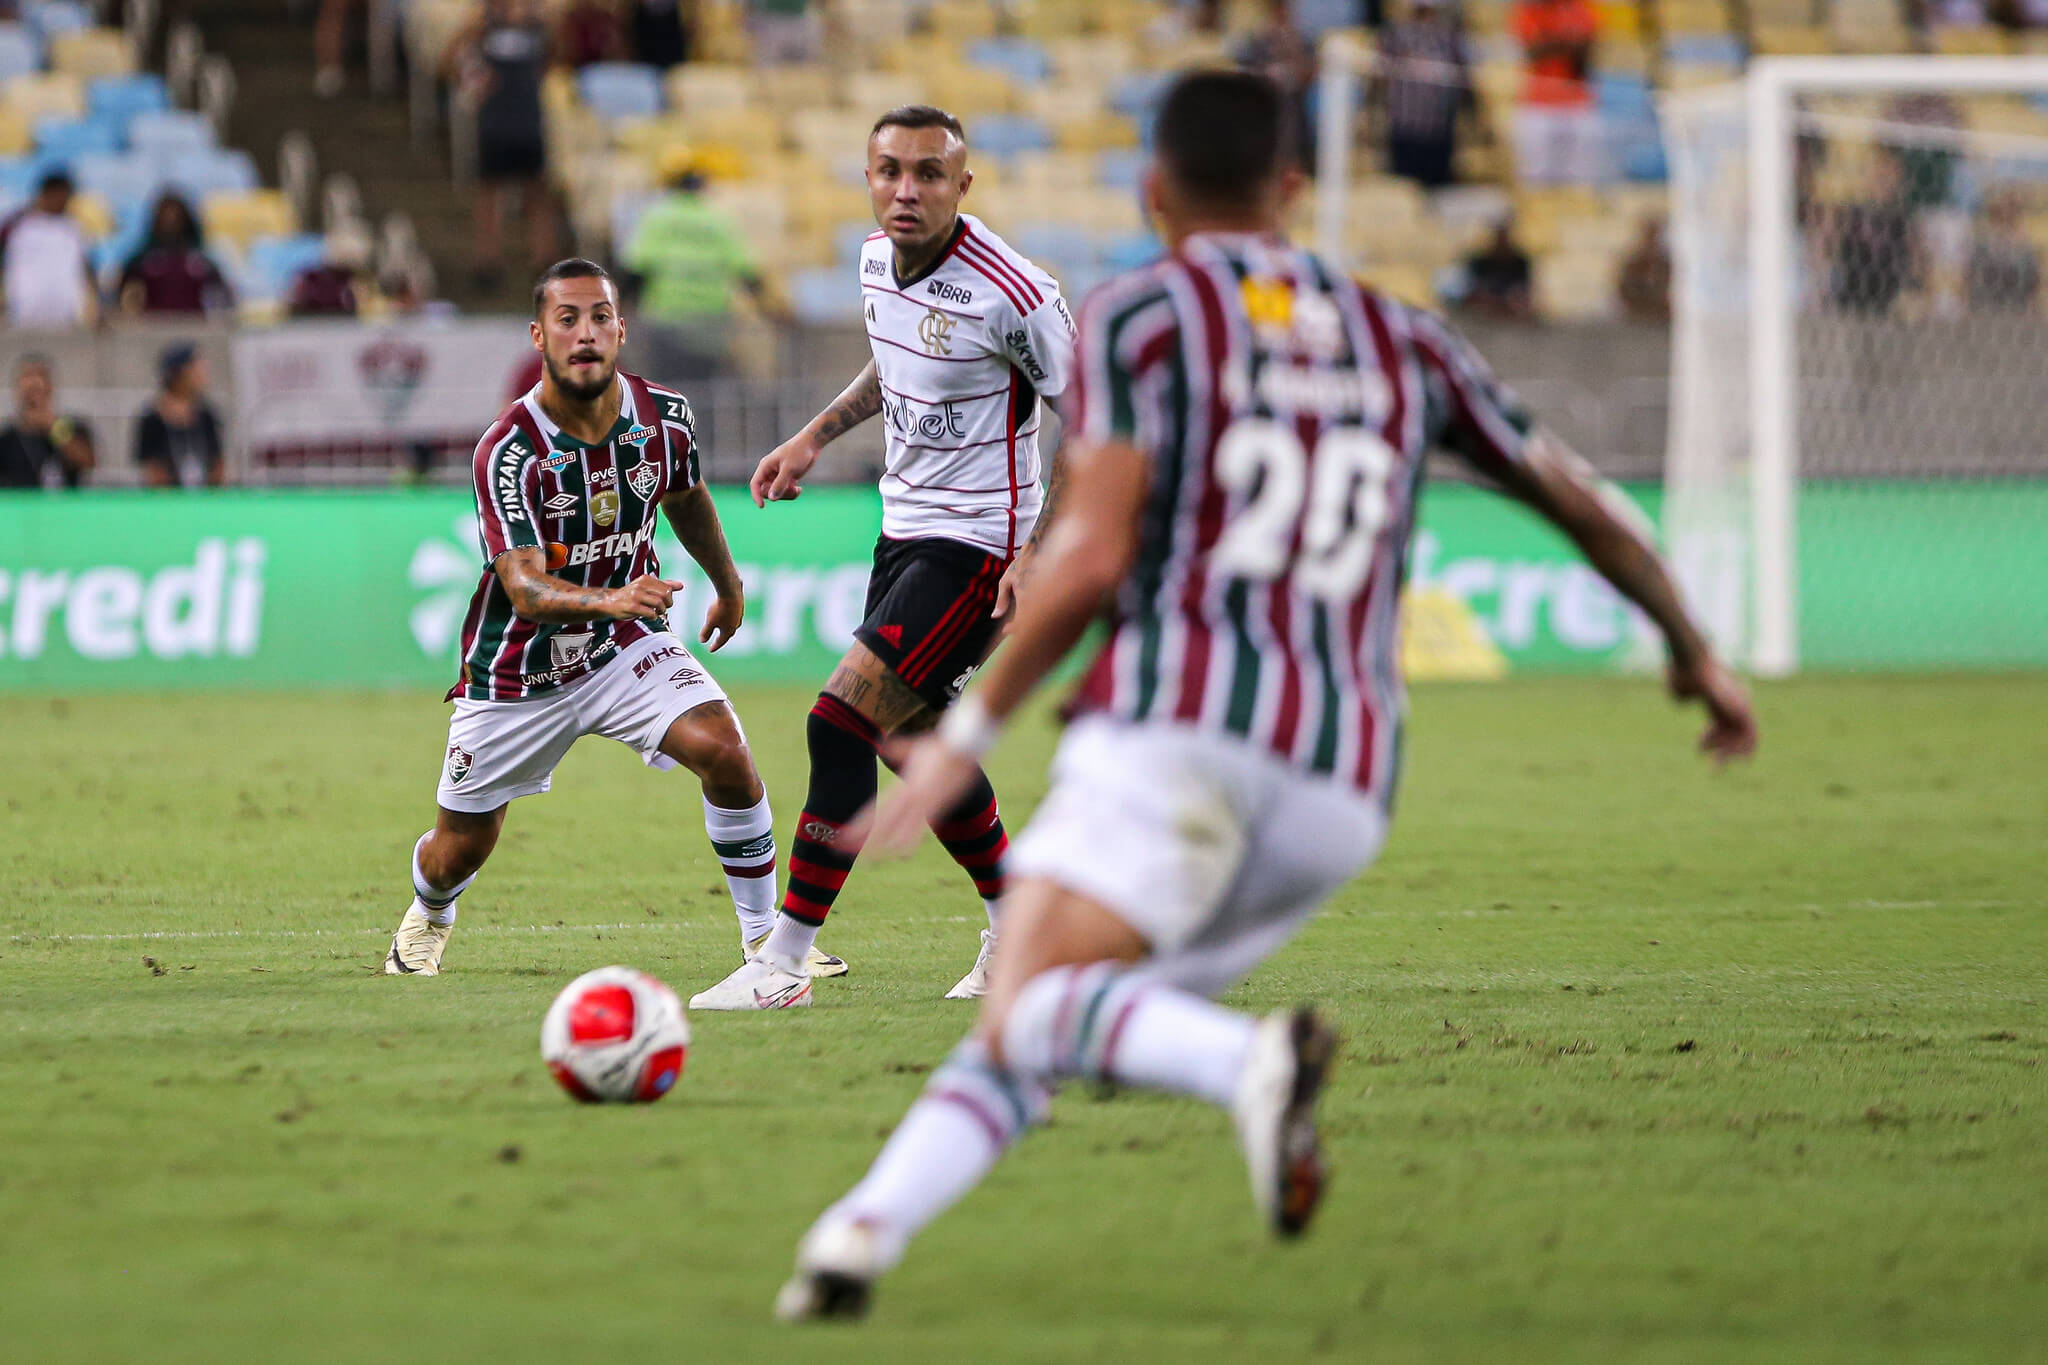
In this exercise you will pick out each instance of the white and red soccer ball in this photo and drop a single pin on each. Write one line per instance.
(616, 1035)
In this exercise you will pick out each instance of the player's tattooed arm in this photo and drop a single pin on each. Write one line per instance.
(538, 595)
(779, 476)
(856, 403)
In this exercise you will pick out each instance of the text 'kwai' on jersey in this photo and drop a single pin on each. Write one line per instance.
(1285, 411)
(593, 508)
(964, 351)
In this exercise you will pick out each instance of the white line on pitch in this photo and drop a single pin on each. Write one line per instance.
(153, 935)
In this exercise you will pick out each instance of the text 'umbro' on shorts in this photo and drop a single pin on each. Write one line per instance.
(501, 750)
(929, 613)
(1212, 848)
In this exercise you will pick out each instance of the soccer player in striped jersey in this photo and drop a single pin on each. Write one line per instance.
(1242, 479)
(967, 337)
(567, 634)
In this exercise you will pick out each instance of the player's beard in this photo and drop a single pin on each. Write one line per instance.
(582, 392)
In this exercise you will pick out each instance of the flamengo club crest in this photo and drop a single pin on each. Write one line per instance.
(642, 478)
(460, 761)
(935, 330)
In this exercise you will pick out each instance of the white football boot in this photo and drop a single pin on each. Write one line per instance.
(974, 985)
(1275, 1113)
(417, 946)
(820, 964)
(758, 985)
(837, 1264)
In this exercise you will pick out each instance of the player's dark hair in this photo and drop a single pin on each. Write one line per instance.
(34, 360)
(1223, 134)
(919, 116)
(575, 268)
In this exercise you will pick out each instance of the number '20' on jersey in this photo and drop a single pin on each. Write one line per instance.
(1286, 412)
(593, 508)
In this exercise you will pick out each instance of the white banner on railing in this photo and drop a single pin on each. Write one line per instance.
(341, 382)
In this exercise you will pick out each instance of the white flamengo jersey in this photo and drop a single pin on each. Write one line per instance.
(964, 351)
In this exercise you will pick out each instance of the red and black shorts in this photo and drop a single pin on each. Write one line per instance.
(928, 613)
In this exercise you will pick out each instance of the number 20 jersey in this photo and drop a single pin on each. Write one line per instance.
(1286, 412)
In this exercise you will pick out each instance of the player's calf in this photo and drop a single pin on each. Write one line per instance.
(445, 860)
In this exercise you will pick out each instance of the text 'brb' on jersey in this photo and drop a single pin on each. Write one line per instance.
(964, 351)
(593, 507)
(1285, 412)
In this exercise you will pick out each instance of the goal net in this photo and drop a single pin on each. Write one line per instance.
(1859, 349)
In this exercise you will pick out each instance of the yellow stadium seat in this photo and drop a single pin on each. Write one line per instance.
(241, 217)
(834, 136)
(1692, 16)
(1128, 19)
(783, 88)
(1971, 42)
(959, 20)
(1574, 285)
(1617, 19)
(1198, 50)
(718, 162)
(92, 214)
(1091, 61)
(1063, 102)
(971, 90)
(1407, 283)
(752, 131)
(1049, 19)
(91, 53)
(1623, 56)
(696, 86)
(16, 135)
(57, 94)
(873, 92)
(1096, 133)
(756, 207)
(1792, 41)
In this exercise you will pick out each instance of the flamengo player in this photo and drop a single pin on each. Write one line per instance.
(567, 635)
(967, 336)
(1243, 472)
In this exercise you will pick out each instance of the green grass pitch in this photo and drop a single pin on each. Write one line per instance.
(1642, 1062)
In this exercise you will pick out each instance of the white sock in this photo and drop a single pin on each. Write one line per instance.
(1096, 1021)
(745, 843)
(989, 903)
(789, 944)
(967, 1117)
(437, 903)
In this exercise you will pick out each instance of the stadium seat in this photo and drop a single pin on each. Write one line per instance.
(1130, 252)
(848, 240)
(1120, 168)
(1096, 61)
(1704, 49)
(1134, 95)
(615, 90)
(871, 92)
(1002, 136)
(270, 264)
(58, 16)
(61, 140)
(693, 86)
(243, 216)
(1050, 242)
(16, 134)
(124, 97)
(45, 95)
(747, 130)
(1024, 61)
(824, 296)
(118, 177)
(832, 135)
(169, 132)
(20, 52)
(92, 53)
(212, 171)
(18, 177)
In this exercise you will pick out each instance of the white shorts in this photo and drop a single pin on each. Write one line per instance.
(499, 750)
(1213, 849)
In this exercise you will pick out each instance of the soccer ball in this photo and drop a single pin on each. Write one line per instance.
(615, 1035)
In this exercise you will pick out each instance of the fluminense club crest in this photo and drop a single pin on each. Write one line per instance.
(642, 478)
(460, 761)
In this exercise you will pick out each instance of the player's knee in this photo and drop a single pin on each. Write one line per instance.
(1022, 1031)
(726, 765)
(836, 733)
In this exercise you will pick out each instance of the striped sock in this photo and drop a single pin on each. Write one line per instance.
(745, 843)
(970, 1113)
(439, 903)
(973, 833)
(1098, 1022)
(842, 744)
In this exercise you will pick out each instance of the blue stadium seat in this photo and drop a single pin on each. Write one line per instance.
(1130, 252)
(1622, 95)
(20, 52)
(1023, 60)
(1644, 161)
(620, 89)
(112, 252)
(1050, 243)
(57, 16)
(824, 295)
(213, 171)
(60, 141)
(1006, 135)
(1705, 49)
(1120, 168)
(18, 177)
(169, 132)
(1134, 95)
(271, 264)
(124, 97)
(847, 241)
(119, 178)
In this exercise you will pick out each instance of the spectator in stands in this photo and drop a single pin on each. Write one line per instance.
(784, 31)
(1426, 79)
(1498, 278)
(2005, 269)
(590, 31)
(172, 273)
(497, 63)
(684, 263)
(45, 266)
(1872, 253)
(40, 449)
(330, 44)
(328, 290)
(660, 35)
(1643, 284)
(1280, 50)
(1558, 135)
(177, 438)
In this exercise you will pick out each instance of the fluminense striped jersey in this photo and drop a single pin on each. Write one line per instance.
(1286, 412)
(963, 352)
(594, 509)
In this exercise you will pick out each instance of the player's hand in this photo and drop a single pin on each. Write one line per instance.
(1731, 724)
(1011, 583)
(722, 621)
(778, 477)
(935, 776)
(645, 598)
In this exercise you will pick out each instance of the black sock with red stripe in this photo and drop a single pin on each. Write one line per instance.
(973, 833)
(842, 744)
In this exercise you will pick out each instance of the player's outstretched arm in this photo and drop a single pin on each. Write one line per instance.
(779, 475)
(1083, 559)
(1562, 487)
(694, 518)
(538, 595)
